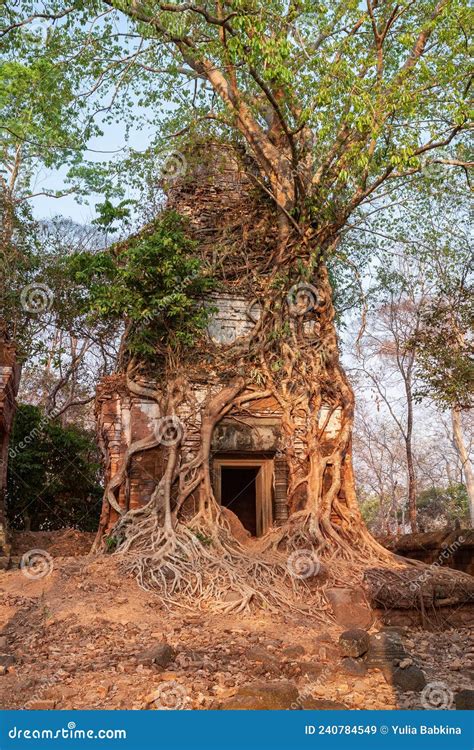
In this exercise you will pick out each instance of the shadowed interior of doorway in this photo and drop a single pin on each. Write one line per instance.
(238, 493)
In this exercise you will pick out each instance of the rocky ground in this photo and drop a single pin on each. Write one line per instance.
(86, 637)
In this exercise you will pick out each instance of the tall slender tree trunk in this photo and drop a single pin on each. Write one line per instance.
(412, 484)
(412, 511)
(456, 416)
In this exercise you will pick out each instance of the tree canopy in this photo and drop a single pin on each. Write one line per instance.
(331, 99)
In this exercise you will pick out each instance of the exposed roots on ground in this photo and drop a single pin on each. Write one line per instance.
(292, 360)
(201, 564)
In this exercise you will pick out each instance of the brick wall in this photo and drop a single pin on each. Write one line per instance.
(9, 381)
(123, 418)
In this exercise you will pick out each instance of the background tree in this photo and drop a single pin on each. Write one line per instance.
(380, 461)
(416, 343)
(388, 362)
(41, 127)
(53, 474)
(445, 348)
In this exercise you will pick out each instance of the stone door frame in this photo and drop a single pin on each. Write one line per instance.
(263, 486)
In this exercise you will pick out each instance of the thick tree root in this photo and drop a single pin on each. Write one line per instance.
(201, 565)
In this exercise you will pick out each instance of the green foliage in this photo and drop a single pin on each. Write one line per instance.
(20, 264)
(44, 126)
(424, 271)
(53, 474)
(111, 543)
(436, 507)
(370, 509)
(443, 505)
(153, 282)
(108, 214)
(311, 97)
(44, 122)
(445, 350)
(366, 92)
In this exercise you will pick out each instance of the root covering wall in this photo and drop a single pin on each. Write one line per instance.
(124, 418)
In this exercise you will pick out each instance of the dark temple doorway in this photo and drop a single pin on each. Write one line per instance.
(239, 494)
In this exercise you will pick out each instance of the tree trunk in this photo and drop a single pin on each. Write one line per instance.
(301, 370)
(412, 510)
(467, 469)
(412, 483)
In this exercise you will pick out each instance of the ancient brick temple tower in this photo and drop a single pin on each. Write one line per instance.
(247, 458)
(9, 381)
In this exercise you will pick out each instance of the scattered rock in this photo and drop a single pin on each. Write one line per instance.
(385, 648)
(313, 671)
(41, 705)
(320, 704)
(168, 676)
(350, 608)
(260, 654)
(292, 652)
(411, 678)
(53, 693)
(400, 630)
(80, 651)
(161, 654)
(405, 663)
(354, 642)
(324, 638)
(263, 696)
(353, 666)
(6, 660)
(464, 700)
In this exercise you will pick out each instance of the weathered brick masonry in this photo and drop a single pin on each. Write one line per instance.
(9, 381)
(124, 418)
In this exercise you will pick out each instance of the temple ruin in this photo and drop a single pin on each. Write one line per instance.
(248, 456)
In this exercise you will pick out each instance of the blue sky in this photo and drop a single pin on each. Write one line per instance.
(111, 145)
